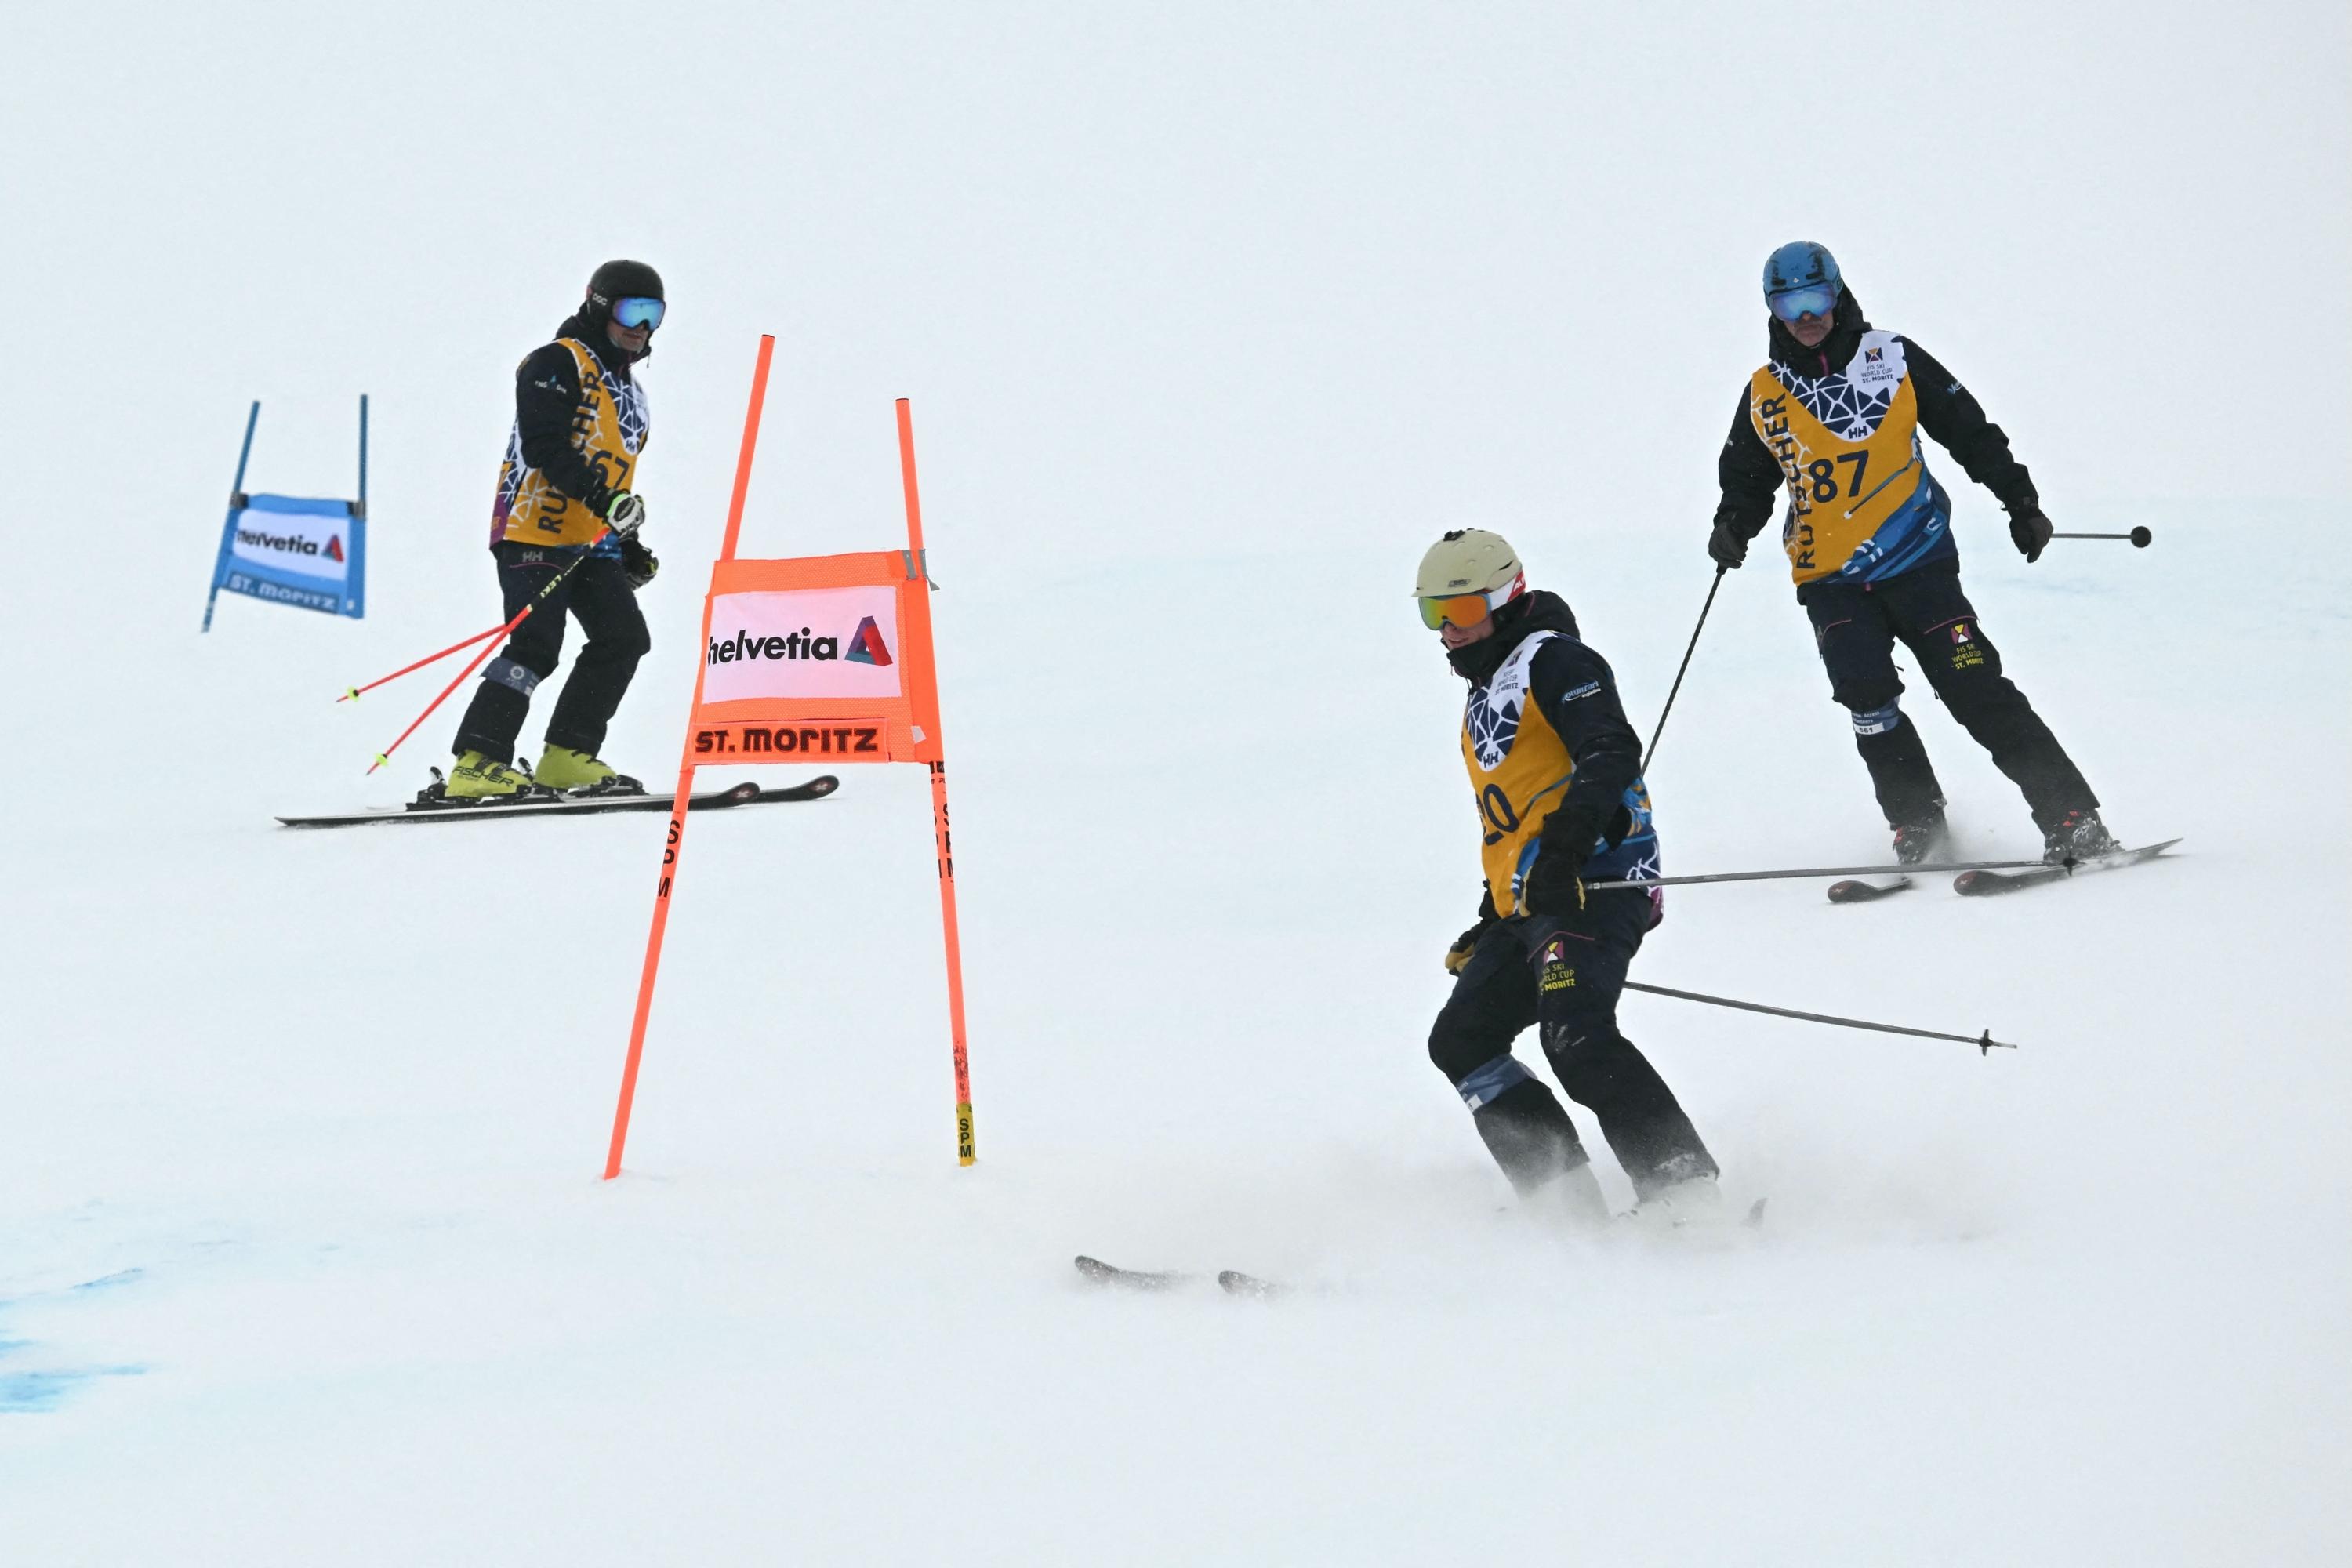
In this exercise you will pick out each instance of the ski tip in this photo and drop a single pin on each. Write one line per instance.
(1854, 891)
(1234, 1282)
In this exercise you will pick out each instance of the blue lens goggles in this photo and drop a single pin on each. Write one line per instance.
(636, 310)
(1818, 300)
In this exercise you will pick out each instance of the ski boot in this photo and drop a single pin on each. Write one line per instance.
(576, 773)
(1681, 1192)
(1573, 1200)
(477, 778)
(1919, 843)
(1695, 1205)
(2078, 835)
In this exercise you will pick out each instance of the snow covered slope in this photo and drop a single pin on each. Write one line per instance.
(303, 1257)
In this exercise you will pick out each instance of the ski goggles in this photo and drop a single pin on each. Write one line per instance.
(1465, 609)
(1817, 300)
(636, 310)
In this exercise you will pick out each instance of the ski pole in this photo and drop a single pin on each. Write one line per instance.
(2138, 536)
(351, 693)
(1984, 1043)
(1651, 749)
(482, 658)
(1803, 871)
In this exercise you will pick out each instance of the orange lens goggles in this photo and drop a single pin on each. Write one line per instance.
(1462, 609)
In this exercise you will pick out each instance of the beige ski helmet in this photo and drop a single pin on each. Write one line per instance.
(1467, 561)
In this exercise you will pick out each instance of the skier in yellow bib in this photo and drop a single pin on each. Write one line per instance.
(1555, 774)
(1835, 417)
(566, 488)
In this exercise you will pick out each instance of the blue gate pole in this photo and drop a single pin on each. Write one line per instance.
(355, 602)
(236, 505)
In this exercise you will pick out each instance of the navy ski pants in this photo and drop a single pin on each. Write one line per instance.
(1563, 974)
(599, 595)
(1857, 625)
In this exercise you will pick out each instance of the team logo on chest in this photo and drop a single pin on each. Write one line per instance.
(1852, 402)
(1494, 707)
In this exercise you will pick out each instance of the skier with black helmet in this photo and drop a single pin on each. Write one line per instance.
(567, 488)
(1834, 415)
(1555, 770)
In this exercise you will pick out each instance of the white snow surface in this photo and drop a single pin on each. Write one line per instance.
(1211, 323)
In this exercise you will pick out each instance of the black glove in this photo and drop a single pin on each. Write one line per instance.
(1725, 546)
(637, 564)
(1555, 886)
(2028, 529)
(1457, 957)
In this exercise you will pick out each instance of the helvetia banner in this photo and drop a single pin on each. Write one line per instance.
(294, 550)
(308, 553)
(827, 655)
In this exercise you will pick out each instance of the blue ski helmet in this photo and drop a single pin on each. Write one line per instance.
(1801, 278)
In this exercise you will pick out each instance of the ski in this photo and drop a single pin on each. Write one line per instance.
(1248, 1287)
(746, 793)
(1859, 892)
(1110, 1274)
(1983, 884)
(1637, 883)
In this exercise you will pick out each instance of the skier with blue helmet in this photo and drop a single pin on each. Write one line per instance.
(1835, 417)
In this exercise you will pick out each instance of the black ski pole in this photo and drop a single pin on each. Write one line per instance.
(1651, 749)
(2138, 536)
(1797, 873)
(1984, 1043)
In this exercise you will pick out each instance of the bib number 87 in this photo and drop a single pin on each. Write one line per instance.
(1823, 474)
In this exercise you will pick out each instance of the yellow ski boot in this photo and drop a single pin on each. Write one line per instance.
(476, 777)
(577, 772)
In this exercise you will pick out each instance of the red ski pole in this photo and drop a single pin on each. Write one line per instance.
(352, 694)
(481, 659)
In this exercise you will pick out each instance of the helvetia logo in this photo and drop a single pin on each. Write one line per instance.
(866, 645)
(290, 544)
(800, 644)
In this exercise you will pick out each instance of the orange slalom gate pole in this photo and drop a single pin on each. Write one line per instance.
(750, 440)
(675, 848)
(967, 1147)
(675, 843)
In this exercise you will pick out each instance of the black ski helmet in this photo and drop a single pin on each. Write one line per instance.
(619, 280)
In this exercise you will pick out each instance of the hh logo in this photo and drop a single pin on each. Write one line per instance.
(866, 645)
(335, 547)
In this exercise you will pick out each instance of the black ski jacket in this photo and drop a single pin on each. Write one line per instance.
(546, 403)
(1750, 476)
(1578, 693)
